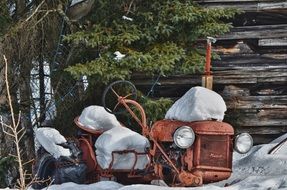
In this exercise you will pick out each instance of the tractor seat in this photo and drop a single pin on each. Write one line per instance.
(86, 129)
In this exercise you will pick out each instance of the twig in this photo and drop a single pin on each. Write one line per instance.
(25, 163)
(47, 12)
(130, 6)
(36, 10)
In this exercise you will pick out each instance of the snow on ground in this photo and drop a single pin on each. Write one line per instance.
(256, 170)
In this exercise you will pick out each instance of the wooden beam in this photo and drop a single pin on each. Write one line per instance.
(273, 42)
(245, 5)
(257, 102)
(272, 5)
(266, 130)
(256, 32)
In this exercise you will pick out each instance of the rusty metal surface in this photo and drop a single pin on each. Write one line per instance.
(88, 154)
(82, 127)
(209, 159)
(213, 151)
(163, 130)
(210, 176)
(190, 179)
(143, 121)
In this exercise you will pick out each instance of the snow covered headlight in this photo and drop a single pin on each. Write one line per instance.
(184, 137)
(243, 143)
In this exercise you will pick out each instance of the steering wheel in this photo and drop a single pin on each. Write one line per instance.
(115, 91)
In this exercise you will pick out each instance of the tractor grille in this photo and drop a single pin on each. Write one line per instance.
(215, 151)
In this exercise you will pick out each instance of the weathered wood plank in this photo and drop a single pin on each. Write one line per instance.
(256, 102)
(261, 18)
(273, 5)
(231, 1)
(258, 117)
(273, 42)
(268, 90)
(267, 130)
(246, 5)
(256, 32)
(222, 77)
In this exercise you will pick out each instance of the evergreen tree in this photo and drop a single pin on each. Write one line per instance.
(156, 37)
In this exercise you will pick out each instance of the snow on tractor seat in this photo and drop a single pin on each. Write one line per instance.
(121, 139)
(50, 139)
(97, 118)
(197, 104)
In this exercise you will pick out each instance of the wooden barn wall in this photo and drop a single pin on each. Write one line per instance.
(252, 73)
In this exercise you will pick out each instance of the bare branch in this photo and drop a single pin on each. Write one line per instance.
(8, 91)
(130, 5)
(35, 11)
(19, 119)
(20, 131)
(25, 163)
(46, 14)
(9, 134)
(21, 136)
(21, 181)
(12, 155)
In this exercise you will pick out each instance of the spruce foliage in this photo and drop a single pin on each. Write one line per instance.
(158, 37)
(5, 18)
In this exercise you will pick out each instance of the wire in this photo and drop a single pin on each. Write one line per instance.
(151, 91)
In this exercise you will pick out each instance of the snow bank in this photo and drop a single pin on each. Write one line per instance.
(50, 139)
(103, 185)
(121, 138)
(197, 104)
(97, 118)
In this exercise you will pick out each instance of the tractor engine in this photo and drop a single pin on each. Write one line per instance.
(192, 153)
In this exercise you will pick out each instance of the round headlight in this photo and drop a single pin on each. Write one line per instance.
(243, 143)
(184, 137)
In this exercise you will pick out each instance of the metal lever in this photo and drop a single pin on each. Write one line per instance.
(207, 80)
(211, 39)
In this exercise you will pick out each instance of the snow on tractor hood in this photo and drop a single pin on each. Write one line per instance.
(197, 104)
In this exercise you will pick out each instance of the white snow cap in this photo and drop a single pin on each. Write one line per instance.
(117, 139)
(49, 139)
(197, 104)
(97, 118)
(76, 2)
(119, 55)
(127, 18)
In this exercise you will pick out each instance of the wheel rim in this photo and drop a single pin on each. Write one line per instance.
(112, 92)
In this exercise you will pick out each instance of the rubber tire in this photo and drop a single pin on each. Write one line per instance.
(44, 168)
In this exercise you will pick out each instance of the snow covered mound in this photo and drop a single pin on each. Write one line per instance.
(197, 104)
(97, 118)
(49, 139)
(121, 138)
(103, 185)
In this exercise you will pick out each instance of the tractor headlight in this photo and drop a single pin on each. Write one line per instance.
(243, 143)
(184, 137)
